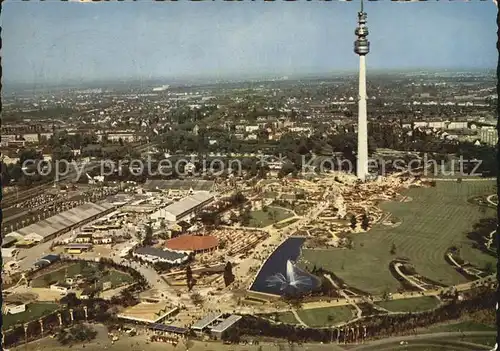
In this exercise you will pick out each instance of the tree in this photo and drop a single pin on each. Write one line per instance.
(148, 235)
(228, 274)
(189, 277)
(393, 249)
(489, 268)
(196, 298)
(354, 222)
(386, 295)
(365, 222)
(222, 244)
(75, 334)
(70, 300)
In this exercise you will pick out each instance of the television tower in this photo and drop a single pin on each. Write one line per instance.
(362, 47)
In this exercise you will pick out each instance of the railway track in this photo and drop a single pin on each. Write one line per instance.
(16, 197)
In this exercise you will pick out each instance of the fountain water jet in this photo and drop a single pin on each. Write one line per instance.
(292, 279)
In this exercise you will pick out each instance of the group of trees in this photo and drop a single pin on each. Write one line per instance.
(76, 334)
(376, 326)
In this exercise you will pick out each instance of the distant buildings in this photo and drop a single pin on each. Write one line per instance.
(488, 136)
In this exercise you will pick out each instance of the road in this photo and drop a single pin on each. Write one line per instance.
(422, 337)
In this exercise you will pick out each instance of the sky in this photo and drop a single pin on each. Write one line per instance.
(72, 41)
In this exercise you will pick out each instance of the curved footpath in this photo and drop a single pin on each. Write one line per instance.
(490, 200)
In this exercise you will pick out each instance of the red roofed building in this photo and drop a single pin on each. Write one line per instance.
(193, 243)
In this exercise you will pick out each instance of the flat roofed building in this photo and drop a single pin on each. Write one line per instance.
(178, 184)
(207, 321)
(14, 308)
(146, 312)
(9, 252)
(167, 333)
(62, 222)
(224, 326)
(47, 260)
(81, 247)
(187, 206)
(9, 241)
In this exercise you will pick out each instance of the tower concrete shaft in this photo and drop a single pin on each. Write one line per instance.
(362, 162)
(362, 48)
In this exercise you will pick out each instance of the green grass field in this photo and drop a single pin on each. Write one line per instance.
(58, 275)
(262, 218)
(33, 312)
(285, 224)
(115, 277)
(417, 304)
(327, 316)
(461, 326)
(287, 317)
(434, 220)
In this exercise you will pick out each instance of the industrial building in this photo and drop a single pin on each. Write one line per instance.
(178, 184)
(61, 223)
(186, 207)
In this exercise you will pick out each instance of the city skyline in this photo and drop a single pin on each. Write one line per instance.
(60, 42)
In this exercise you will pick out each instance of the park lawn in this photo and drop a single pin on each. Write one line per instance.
(287, 318)
(417, 304)
(465, 326)
(260, 218)
(434, 220)
(480, 340)
(33, 312)
(117, 278)
(326, 316)
(285, 224)
(58, 275)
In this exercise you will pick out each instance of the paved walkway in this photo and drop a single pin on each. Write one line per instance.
(297, 317)
(346, 297)
(490, 200)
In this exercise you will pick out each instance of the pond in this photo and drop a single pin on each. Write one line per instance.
(279, 276)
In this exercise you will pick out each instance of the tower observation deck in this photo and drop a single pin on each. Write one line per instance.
(361, 45)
